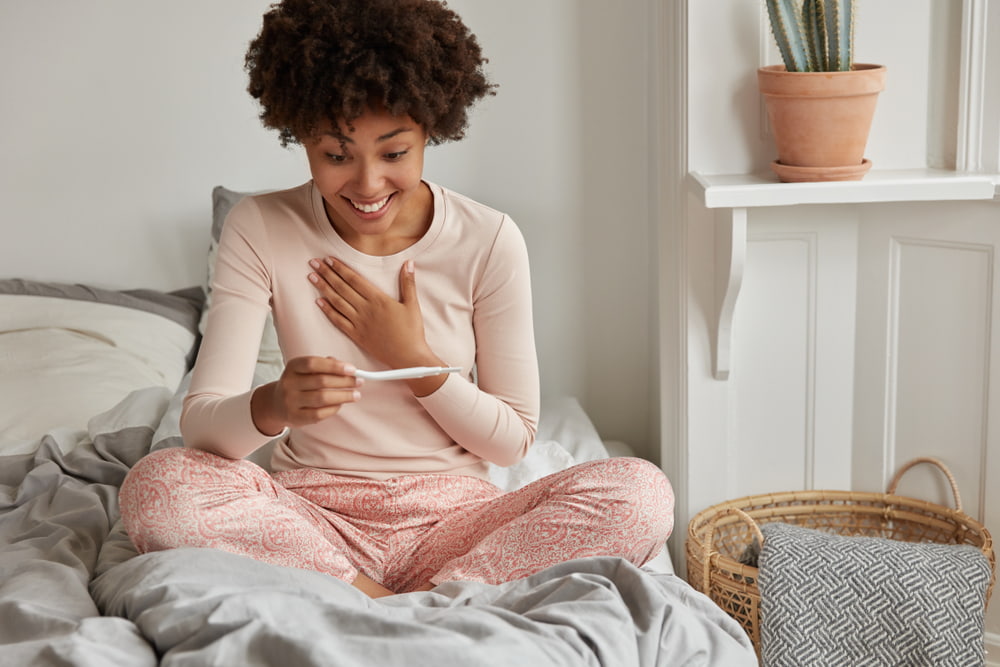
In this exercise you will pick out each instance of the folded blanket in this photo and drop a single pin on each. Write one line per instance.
(834, 600)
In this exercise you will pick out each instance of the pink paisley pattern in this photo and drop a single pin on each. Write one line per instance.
(402, 532)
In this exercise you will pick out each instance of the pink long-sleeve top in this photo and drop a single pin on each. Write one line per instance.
(473, 285)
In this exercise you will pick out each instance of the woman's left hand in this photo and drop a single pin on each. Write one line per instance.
(390, 330)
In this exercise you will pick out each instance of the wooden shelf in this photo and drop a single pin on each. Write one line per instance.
(732, 195)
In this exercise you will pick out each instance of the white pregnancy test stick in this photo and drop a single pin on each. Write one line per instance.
(406, 373)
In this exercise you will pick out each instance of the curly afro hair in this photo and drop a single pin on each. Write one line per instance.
(317, 62)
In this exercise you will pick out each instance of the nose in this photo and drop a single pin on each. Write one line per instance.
(369, 178)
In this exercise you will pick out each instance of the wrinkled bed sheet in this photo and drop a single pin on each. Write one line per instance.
(74, 592)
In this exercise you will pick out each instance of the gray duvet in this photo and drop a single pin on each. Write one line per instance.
(74, 592)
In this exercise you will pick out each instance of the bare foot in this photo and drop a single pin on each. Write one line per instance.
(369, 587)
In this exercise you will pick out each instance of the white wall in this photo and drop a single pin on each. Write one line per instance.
(117, 118)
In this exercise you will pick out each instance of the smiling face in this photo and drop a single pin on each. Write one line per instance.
(370, 179)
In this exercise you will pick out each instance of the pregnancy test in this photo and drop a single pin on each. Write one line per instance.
(406, 373)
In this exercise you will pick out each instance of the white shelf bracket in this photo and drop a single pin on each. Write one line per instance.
(730, 260)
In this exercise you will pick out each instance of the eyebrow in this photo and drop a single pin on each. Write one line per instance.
(385, 137)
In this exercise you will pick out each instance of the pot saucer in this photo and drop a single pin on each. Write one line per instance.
(791, 174)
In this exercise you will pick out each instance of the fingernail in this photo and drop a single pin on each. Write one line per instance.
(349, 369)
(357, 395)
(409, 266)
(329, 261)
(313, 278)
(314, 263)
(321, 303)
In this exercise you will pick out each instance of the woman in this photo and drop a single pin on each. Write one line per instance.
(382, 484)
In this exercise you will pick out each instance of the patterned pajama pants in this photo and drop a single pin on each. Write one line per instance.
(402, 532)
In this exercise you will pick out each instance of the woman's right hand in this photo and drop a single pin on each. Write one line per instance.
(309, 390)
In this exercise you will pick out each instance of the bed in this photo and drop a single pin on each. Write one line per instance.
(92, 379)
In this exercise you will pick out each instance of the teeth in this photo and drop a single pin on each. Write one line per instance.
(370, 208)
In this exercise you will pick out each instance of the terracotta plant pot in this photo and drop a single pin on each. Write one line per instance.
(821, 120)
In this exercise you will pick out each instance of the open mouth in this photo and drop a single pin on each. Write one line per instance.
(370, 208)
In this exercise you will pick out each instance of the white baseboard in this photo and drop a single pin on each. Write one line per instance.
(992, 641)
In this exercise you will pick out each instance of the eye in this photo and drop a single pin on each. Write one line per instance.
(333, 157)
(397, 155)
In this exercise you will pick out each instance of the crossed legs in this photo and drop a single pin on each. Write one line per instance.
(403, 534)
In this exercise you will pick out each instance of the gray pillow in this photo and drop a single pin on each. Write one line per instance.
(182, 306)
(834, 600)
(223, 200)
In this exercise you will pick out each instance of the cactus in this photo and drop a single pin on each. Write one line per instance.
(813, 35)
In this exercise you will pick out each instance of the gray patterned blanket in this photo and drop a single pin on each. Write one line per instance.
(74, 592)
(831, 600)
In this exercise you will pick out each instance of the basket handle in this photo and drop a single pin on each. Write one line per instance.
(891, 490)
(710, 539)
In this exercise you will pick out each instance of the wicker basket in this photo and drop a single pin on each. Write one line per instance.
(720, 535)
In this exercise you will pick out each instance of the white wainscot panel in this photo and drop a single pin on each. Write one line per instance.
(792, 380)
(928, 348)
(941, 296)
(771, 443)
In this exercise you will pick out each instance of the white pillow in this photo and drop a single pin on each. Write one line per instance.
(71, 352)
(563, 420)
(544, 458)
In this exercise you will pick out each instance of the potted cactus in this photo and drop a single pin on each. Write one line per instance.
(820, 102)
